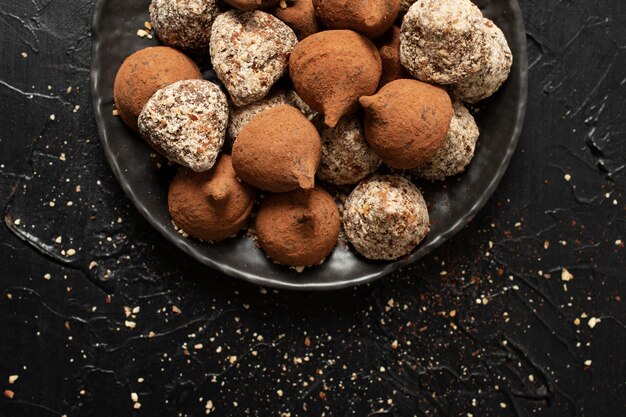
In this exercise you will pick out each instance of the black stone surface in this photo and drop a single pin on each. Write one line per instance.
(394, 347)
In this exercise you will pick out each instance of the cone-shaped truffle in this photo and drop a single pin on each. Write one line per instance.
(330, 70)
(279, 150)
(406, 122)
(371, 18)
(211, 205)
(299, 16)
(299, 228)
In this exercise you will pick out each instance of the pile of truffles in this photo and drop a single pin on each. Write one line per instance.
(315, 100)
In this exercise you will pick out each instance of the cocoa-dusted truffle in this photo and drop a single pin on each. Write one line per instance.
(251, 4)
(385, 217)
(389, 50)
(184, 24)
(493, 73)
(346, 156)
(186, 122)
(371, 18)
(211, 205)
(330, 70)
(299, 228)
(457, 150)
(406, 122)
(300, 16)
(278, 150)
(145, 72)
(250, 52)
(442, 41)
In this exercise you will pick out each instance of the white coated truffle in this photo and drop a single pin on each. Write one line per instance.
(458, 149)
(442, 41)
(493, 74)
(385, 217)
(250, 52)
(185, 24)
(346, 156)
(186, 122)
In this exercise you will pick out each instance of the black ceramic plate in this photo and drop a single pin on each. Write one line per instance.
(115, 24)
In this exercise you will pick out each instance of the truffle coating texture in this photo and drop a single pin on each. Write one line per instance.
(279, 150)
(251, 4)
(250, 52)
(186, 122)
(211, 205)
(299, 228)
(300, 16)
(145, 72)
(406, 122)
(457, 150)
(371, 18)
(184, 24)
(330, 70)
(385, 217)
(442, 41)
(389, 50)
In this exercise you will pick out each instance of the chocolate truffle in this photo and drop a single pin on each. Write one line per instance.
(299, 228)
(330, 70)
(211, 205)
(184, 24)
(406, 122)
(442, 41)
(278, 150)
(250, 52)
(385, 217)
(371, 18)
(145, 72)
(457, 150)
(346, 156)
(493, 74)
(186, 122)
(389, 50)
(240, 116)
(300, 16)
(251, 4)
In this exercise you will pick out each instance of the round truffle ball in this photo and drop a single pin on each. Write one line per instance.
(457, 150)
(211, 205)
(406, 122)
(251, 4)
(184, 24)
(250, 52)
(385, 217)
(300, 16)
(145, 72)
(389, 50)
(493, 74)
(186, 122)
(346, 156)
(299, 228)
(279, 150)
(330, 70)
(371, 18)
(442, 41)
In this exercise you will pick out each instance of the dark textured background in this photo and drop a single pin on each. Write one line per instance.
(483, 327)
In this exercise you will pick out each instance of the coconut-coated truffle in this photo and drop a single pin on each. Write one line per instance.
(211, 205)
(442, 41)
(145, 72)
(184, 24)
(385, 217)
(371, 18)
(279, 150)
(299, 228)
(300, 16)
(346, 156)
(406, 122)
(457, 150)
(494, 72)
(250, 52)
(251, 4)
(330, 70)
(186, 122)
(389, 49)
